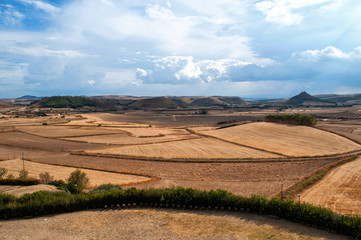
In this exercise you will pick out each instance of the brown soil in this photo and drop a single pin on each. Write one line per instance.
(158, 224)
(339, 191)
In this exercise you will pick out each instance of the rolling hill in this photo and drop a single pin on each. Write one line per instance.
(305, 99)
(156, 102)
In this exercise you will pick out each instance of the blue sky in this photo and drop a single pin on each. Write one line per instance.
(246, 48)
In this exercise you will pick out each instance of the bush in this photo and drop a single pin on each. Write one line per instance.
(45, 177)
(77, 181)
(3, 172)
(23, 174)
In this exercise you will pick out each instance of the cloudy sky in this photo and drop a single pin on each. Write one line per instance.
(246, 48)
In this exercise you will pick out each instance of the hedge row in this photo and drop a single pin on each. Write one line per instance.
(41, 203)
(21, 182)
(296, 119)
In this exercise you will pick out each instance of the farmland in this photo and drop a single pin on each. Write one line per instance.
(339, 191)
(171, 149)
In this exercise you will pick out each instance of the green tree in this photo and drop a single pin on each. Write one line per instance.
(77, 181)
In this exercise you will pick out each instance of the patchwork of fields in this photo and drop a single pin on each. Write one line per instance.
(249, 158)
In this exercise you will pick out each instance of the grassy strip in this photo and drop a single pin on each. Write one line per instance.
(307, 182)
(41, 203)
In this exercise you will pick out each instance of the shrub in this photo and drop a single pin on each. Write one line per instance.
(77, 181)
(23, 174)
(3, 172)
(45, 177)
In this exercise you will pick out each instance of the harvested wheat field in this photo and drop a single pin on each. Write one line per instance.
(286, 139)
(204, 148)
(60, 172)
(25, 140)
(158, 224)
(65, 131)
(127, 139)
(339, 191)
(18, 191)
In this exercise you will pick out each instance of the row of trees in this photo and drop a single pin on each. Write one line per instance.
(295, 119)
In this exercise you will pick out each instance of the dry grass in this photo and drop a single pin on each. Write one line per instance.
(125, 139)
(205, 148)
(59, 172)
(65, 131)
(286, 139)
(339, 191)
(18, 191)
(158, 224)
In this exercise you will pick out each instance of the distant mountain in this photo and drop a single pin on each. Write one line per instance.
(233, 100)
(208, 102)
(349, 99)
(156, 102)
(65, 102)
(28, 97)
(305, 99)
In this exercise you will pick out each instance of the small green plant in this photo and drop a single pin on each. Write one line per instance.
(3, 172)
(23, 174)
(45, 177)
(77, 181)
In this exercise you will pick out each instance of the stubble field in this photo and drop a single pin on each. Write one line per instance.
(262, 154)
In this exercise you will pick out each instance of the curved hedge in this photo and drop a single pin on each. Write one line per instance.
(295, 119)
(41, 203)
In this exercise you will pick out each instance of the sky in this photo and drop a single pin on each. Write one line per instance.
(246, 48)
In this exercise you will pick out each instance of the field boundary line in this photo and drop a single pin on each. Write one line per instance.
(217, 160)
(151, 178)
(238, 144)
(315, 177)
(339, 134)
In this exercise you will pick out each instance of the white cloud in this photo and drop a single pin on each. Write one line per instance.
(141, 72)
(43, 6)
(187, 69)
(285, 12)
(329, 52)
(41, 51)
(91, 82)
(10, 16)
